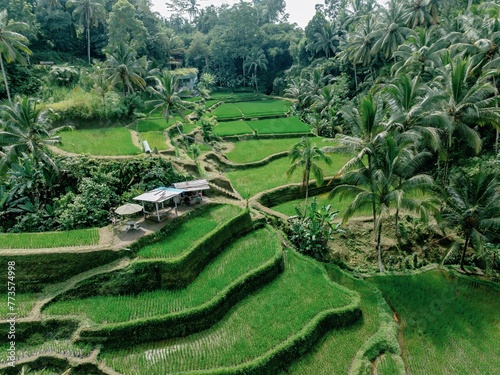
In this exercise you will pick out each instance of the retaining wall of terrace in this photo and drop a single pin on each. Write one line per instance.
(152, 274)
(186, 322)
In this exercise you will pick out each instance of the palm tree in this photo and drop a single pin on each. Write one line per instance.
(87, 12)
(27, 128)
(359, 46)
(124, 69)
(255, 60)
(389, 182)
(391, 33)
(469, 101)
(414, 110)
(326, 40)
(11, 44)
(368, 131)
(422, 50)
(168, 97)
(101, 82)
(472, 205)
(305, 156)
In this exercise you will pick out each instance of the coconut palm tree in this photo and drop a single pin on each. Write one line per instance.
(414, 114)
(469, 101)
(368, 130)
(168, 97)
(472, 206)
(87, 12)
(11, 44)
(255, 60)
(326, 40)
(305, 156)
(124, 69)
(391, 32)
(389, 183)
(27, 129)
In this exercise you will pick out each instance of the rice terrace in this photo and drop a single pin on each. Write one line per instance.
(220, 190)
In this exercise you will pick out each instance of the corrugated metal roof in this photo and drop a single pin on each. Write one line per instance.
(159, 195)
(192, 185)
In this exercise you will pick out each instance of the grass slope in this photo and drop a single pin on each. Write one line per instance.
(189, 232)
(254, 180)
(244, 255)
(449, 325)
(105, 141)
(258, 324)
(24, 303)
(78, 237)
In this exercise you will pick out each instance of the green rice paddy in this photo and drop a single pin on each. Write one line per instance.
(281, 125)
(258, 149)
(24, 303)
(251, 181)
(244, 255)
(226, 111)
(334, 353)
(449, 325)
(78, 237)
(155, 139)
(182, 238)
(227, 128)
(262, 108)
(255, 326)
(105, 141)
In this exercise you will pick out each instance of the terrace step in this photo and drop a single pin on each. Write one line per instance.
(253, 261)
(230, 194)
(259, 335)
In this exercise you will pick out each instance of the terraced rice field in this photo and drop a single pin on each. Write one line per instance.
(244, 255)
(256, 108)
(255, 326)
(227, 111)
(281, 125)
(105, 141)
(335, 352)
(224, 129)
(78, 237)
(154, 124)
(251, 181)
(190, 231)
(449, 325)
(155, 139)
(270, 107)
(24, 304)
(258, 149)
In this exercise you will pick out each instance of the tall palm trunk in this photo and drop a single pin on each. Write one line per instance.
(379, 250)
(372, 188)
(88, 36)
(355, 77)
(307, 187)
(5, 79)
(462, 259)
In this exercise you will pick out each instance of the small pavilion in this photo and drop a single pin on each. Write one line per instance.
(192, 189)
(158, 197)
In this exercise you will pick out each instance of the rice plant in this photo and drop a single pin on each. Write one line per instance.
(178, 241)
(449, 325)
(78, 237)
(255, 326)
(244, 255)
